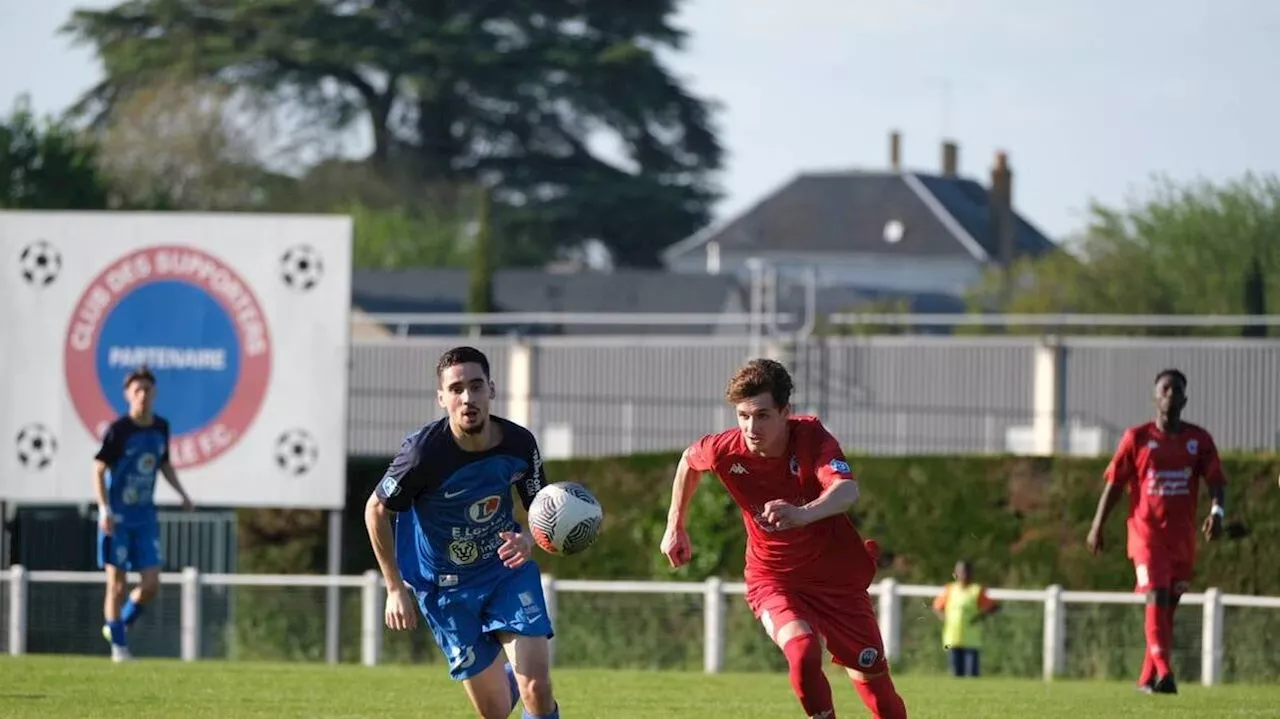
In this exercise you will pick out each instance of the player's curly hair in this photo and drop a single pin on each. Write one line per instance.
(757, 377)
(1173, 374)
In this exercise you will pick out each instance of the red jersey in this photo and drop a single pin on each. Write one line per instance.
(1162, 474)
(829, 548)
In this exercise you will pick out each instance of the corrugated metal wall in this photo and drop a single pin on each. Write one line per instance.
(909, 394)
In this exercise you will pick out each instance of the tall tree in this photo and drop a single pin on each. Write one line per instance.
(47, 165)
(1184, 248)
(510, 93)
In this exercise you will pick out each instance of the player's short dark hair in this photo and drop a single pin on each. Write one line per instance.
(757, 377)
(462, 355)
(1173, 374)
(140, 374)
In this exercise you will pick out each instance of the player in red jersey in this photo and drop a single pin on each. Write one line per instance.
(1161, 463)
(807, 568)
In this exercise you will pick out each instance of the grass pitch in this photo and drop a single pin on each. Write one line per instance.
(51, 687)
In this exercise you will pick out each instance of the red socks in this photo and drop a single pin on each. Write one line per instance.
(882, 698)
(1159, 629)
(804, 658)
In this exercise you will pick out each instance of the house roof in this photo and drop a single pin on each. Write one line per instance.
(536, 290)
(835, 212)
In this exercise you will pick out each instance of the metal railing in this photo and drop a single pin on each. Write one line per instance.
(714, 592)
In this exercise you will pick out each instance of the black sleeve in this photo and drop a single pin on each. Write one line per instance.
(164, 448)
(533, 479)
(406, 478)
(110, 451)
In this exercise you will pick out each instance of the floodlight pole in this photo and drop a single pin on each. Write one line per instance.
(333, 598)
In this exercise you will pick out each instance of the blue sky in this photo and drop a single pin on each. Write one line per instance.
(1089, 98)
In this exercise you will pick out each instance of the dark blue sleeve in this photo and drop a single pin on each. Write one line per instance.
(164, 443)
(406, 478)
(533, 479)
(112, 446)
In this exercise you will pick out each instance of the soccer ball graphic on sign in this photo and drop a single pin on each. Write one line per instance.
(301, 267)
(296, 452)
(36, 446)
(565, 518)
(41, 262)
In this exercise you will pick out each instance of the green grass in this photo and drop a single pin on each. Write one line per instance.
(49, 687)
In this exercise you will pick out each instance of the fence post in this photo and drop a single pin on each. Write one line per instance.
(371, 609)
(713, 637)
(17, 610)
(1055, 629)
(190, 614)
(890, 617)
(549, 596)
(1211, 639)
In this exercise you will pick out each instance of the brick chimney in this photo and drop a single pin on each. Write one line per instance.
(895, 151)
(1002, 222)
(950, 159)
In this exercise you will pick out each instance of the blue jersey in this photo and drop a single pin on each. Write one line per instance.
(454, 505)
(133, 455)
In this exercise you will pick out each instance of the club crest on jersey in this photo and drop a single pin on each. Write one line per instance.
(1192, 446)
(147, 463)
(867, 657)
(485, 510)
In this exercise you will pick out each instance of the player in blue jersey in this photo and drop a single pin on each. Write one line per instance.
(442, 527)
(135, 448)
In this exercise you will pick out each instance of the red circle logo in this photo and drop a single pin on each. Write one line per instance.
(190, 318)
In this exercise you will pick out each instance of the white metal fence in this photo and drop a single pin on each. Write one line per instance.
(1053, 602)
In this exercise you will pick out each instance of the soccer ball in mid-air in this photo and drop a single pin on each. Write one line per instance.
(565, 518)
(41, 262)
(36, 446)
(296, 452)
(301, 267)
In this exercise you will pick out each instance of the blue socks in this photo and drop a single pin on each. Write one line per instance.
(130, 612)
(555, 714)
(116, 629)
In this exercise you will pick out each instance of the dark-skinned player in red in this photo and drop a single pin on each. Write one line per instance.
(807, 570)
(1162, 463)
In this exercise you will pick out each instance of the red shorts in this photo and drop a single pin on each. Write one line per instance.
(843, 617)
(1162, 570)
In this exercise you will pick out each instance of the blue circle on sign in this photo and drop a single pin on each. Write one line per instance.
(186, 338)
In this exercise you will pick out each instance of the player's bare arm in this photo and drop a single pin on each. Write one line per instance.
(105, 520)
(1212, 526)
(675, 541)
(1111, 494)
(171, 476)
(400, 614)
(837, 499)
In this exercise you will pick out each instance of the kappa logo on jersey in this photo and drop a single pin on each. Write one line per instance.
(485, 510)
(840, 466)
(737, 469)
(1192, 446)
(190, 318)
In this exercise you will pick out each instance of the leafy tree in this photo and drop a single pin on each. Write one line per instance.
(1193, 248)
(508, 93)
(398, 237)
(47, 165)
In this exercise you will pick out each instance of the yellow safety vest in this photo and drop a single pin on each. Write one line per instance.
(958, 627)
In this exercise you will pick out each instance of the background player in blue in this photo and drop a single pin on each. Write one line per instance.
(135, 447)
(443, 532)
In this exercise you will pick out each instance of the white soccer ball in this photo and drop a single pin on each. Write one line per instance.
(36, 446)
(296, 452)
(41, 262)
(301, 267)
(565, 518)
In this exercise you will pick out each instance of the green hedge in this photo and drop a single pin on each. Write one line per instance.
(1022, 520)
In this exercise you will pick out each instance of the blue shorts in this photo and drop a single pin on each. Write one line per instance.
(464, 619)
(131, 547)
